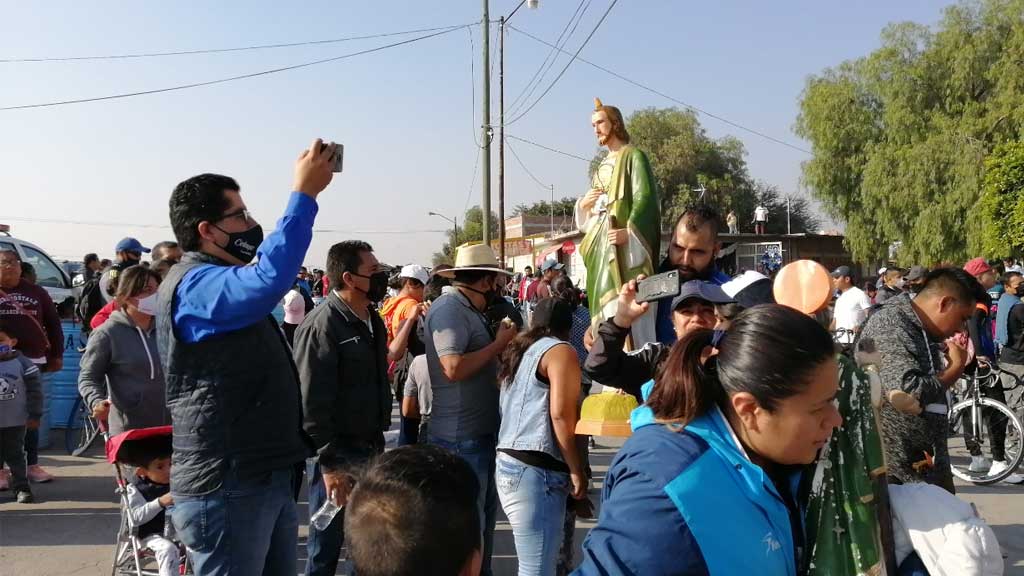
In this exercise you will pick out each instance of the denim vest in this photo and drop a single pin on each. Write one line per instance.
(526, 406)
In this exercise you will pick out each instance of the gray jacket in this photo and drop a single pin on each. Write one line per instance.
(121, 362)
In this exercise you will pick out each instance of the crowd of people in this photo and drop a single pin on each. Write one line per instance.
(737, 394)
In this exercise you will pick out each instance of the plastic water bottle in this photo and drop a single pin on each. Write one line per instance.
(323, 517)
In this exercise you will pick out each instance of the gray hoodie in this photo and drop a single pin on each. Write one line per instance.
(123, 358)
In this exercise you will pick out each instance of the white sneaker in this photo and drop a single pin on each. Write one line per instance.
(978, 464)
(999, 467)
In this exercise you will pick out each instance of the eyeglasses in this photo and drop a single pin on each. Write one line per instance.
(242, 215)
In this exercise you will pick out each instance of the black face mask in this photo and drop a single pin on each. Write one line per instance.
(378, 286)
(243, 245)
(490, 296)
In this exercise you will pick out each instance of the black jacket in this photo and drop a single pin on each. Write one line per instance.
(610, 365)
(343, 373)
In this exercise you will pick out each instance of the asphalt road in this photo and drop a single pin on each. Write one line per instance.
(71, 529)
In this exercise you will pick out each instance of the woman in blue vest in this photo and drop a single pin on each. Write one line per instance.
(538, 463)
(709, 481)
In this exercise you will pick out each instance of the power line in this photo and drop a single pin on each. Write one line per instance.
(472, 182)
(548, 148)
(667, 97)
(549, 60)
(523, 166)
(230, 79)
(223, 50)
(136, 225)
(567, 64)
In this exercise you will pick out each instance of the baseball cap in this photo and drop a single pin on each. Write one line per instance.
(549, 264)
(701, 290)
(841, 271)
(416, 272)
(976, 267)
(882, 270)
(130, 245)
(916, 273)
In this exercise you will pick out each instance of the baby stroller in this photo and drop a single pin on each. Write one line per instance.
(130, 556)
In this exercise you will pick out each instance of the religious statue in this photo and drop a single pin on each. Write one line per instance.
(621, 220)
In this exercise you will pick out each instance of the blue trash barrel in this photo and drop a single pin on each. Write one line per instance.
(44, 421)
(64, 385)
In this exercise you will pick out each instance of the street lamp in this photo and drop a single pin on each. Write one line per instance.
(455, 224)
(501, 126)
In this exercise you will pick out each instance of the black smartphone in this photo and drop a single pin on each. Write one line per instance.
(656, 287)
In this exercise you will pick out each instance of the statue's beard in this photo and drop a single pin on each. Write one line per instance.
(603, 139)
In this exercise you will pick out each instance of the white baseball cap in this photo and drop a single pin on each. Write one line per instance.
(416, 272)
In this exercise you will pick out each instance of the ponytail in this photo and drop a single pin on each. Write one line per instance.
(687, 387)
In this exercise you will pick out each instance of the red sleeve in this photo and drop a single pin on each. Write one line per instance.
(103, 315)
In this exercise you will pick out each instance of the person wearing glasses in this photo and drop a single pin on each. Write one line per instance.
(232, 386)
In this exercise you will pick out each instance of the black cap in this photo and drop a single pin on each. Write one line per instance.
(701, 290)
(916, 273)
(842, 271)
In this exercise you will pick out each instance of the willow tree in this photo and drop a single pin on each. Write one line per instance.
(899, 137)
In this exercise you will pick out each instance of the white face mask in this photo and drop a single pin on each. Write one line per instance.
(147, 305)
(900, 283)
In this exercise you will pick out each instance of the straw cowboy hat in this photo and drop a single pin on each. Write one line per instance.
(479, 257)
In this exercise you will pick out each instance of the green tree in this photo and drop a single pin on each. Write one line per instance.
(801, 217)
(684, 159)
(470, 230)
(543, 208)
(1002, 201)
(899, 137)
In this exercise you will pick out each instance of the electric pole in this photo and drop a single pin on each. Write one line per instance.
(486, 128)
(501, 142)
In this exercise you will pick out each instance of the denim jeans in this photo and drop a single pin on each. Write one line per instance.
(247, 526)
(534, 499)
(323, 549)
(479, 453)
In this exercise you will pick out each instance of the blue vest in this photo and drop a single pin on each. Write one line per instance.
(1006, 303)
(526, 406)
(715, 496)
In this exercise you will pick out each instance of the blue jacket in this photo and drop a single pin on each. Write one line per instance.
(214, 300)
(689, 502)
(665, 332)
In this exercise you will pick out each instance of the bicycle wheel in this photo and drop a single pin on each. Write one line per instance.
(77, 441)
(967, 420)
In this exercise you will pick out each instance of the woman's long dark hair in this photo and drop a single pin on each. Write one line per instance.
(551, 317)
(133, 281)
(769, 351)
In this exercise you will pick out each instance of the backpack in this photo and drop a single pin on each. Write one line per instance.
(90, 302)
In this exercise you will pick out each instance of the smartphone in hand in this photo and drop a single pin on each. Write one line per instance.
(337, 160)
(656, 287)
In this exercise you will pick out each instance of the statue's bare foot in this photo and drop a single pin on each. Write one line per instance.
(904, 402)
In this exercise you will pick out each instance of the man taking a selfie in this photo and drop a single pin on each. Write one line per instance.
(232, 387)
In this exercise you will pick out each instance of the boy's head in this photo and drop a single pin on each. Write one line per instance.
(151, 457)
(414, 512)
(7, 340)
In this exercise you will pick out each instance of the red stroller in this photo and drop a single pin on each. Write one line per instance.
(130, 555)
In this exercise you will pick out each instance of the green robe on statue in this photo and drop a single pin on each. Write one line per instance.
(632, 201)
(842, 517)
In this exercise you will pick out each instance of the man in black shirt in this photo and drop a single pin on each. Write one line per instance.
(1011, 359)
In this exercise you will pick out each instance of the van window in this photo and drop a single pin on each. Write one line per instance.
(49, 275)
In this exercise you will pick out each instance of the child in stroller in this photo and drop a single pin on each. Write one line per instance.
(145, 499)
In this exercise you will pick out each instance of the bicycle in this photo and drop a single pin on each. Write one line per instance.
(967, 422)
(80, 443)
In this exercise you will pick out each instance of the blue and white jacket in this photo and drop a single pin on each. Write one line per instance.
(689, 502)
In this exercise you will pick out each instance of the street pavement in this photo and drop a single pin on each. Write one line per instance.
(71, 529)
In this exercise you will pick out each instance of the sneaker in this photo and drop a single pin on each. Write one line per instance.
(25, 497)
(979, 464)
(5, 480)
(999, 467)
(37, 475)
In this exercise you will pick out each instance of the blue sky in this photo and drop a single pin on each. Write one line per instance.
(407, 115)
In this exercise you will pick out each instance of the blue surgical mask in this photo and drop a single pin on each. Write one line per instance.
(5, 349)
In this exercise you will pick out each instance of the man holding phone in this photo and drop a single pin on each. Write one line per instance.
(232, 387)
